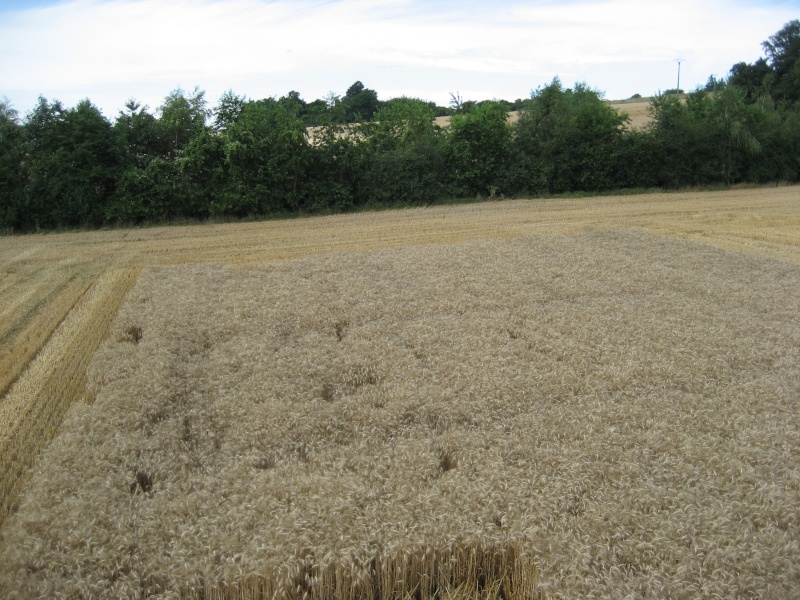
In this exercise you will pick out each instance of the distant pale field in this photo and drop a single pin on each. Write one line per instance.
(637, 110)
(59, 294)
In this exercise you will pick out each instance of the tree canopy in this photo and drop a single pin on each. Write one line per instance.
(71, 167)
(777, 75)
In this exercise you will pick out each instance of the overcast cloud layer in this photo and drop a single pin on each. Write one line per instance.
(110, 51)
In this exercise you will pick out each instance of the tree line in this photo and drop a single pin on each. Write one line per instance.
(71, 167)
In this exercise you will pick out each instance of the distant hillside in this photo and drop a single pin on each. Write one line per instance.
(636, 109)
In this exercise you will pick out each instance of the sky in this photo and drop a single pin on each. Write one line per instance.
(110, 51)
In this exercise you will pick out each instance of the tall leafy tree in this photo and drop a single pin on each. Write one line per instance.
(755, 80)
(165, 188)
(11, 166)
(42, 140)
(205, 174)
(480, 149)
(294, 102)
(360, 103)
(777, 131)
(266, 151)
(181, 117)
(316, 113)
(334, 169)
(154, 193)
(73, 165)
(783, 53)
(568, 139)
(777, 75)
(228, 108)
(688, 152)
(708, 139)
(335, 109)
(731, 122)
(405, 119)
(404, 159)
(148, 188)
(139, 135)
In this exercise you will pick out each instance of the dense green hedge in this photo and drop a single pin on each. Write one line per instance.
(72, 168)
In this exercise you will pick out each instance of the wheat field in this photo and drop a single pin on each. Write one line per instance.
(555, 398)
(637, 109)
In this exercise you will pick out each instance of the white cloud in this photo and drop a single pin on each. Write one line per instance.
(111, 50)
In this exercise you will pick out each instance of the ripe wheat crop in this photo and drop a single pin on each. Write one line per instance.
(605, 413)
(638, 111)
(34, 407)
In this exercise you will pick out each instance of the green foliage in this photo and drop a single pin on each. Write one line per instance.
(12, 167)
(731, 120)
(315, 113)
(266, 153)
(403, 159)
(755, 80)
(687, 148)
(711, 138)
(72, 163)
(783, 52)
(333, 169)
(359, 103)
(638, 161)
(227, 110)
(777, 75)
(479, 144)
(403, 120)
(713, 84)
(153, 193)
(181, 117)
(205, 173)
(71, 168)
(568, 140)
(153, 186)
(164, 188)
(778, 134)
(138, 135)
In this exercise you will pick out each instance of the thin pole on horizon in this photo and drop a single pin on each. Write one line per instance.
(679, 61)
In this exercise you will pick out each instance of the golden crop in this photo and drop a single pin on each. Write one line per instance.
(538, 396)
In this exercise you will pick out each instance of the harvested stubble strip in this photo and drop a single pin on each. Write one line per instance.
(33, 409)
(25, 292)
(36, 327)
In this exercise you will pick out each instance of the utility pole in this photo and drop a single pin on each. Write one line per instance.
(679, 61)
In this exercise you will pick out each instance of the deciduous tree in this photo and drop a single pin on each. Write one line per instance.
(228, 108)
(360, 103)
(403, 156)
(73, 165)
(266, 152)
(181, 117)
(783, 52)
(568, 139)
(12, 178)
